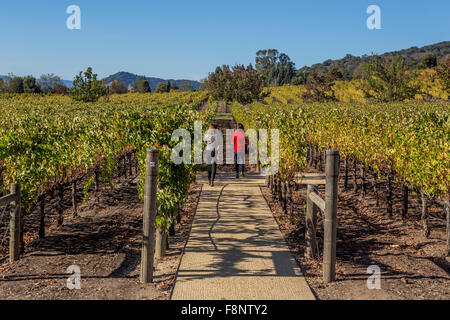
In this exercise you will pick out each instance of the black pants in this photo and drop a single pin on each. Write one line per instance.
(239, 161)
(212, 171)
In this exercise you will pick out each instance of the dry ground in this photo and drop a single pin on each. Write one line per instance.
(412, 266)
(105, 242)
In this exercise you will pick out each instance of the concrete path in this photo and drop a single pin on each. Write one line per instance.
(235, 250)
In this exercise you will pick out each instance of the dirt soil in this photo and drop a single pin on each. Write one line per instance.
(412, 266)
(105, 242)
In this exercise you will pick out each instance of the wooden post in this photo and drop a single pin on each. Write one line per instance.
(355, 181)
(311, 222)
(125, 171)
(14, 225)
(424, 216)
(148, 241)
(74, 199)
(315, 157)
(404, 200)
(308, 154)
(375, 189)
(290, 199)
(447, 211)
(275, 186)
(346, 174)
(389, 195)
(42, 217)
(284, 197)
(279, 190)
(178, 212)
(130, 165)
(271, 183)
(330, 222)
(96, 180)
(320, 159)
(60, 204)
(136, 163)
(363, 180)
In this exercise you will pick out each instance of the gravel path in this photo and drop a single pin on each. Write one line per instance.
(235, 250)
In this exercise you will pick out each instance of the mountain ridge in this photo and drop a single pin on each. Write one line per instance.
(412, 56)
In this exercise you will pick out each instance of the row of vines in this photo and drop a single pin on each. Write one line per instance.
(48, 144)
(405, 143)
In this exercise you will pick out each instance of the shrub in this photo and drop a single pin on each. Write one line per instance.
(15, 85)
(162, 87)
(141, 85)
(320, 87)
(86, 87)
(60, 88)
(388, 79)
(30, 85)
(443, 73)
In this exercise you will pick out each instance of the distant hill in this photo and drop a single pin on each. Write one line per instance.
(349, 63)
(129, 79)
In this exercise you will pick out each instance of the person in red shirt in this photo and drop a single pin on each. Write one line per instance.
(240, 142)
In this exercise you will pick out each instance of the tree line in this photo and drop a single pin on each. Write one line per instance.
(86, 86)
(383, 78)
(48, 83)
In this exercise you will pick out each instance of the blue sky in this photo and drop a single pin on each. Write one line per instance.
(188, 39)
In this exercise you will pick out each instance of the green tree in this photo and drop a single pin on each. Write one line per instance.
(285, 70)
(3, 87)
(443, 73)
(275, 69)
(245, 84)
(428, 61)
(15, 84)
(388, 79)
(168, 86)
(141, 85)
(297, 81)
(162, 87)
(86, 87)
(219, 83)
(240, 83)
(30, 85)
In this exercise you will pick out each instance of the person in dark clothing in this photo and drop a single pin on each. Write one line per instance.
(212, 149)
